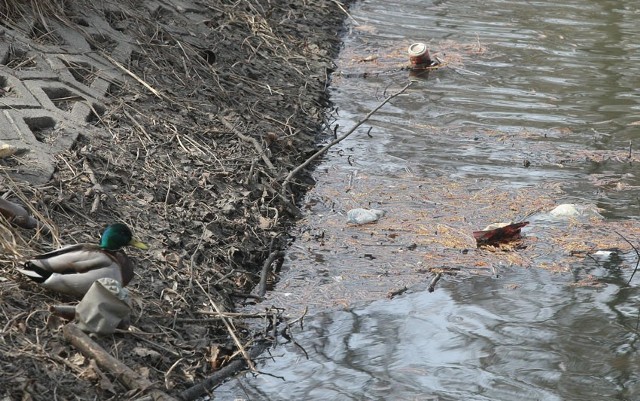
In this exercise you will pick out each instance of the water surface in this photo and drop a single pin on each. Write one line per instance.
(539, 106)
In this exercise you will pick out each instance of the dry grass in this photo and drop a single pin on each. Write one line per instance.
(200, 193)
(15, 9)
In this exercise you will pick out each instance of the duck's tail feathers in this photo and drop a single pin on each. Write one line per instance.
(35, 273)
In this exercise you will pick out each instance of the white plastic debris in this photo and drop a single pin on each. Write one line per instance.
(494, 226)
(7, 150)
(364, 216)
(604, 255)
(104, 307)
(567, 210)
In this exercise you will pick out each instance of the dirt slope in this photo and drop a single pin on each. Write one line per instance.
(206, 108)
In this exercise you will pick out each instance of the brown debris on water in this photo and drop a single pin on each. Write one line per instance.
(428, 229)
(502, 234)
(393, 58)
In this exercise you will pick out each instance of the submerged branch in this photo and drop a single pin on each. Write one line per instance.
(296, 170)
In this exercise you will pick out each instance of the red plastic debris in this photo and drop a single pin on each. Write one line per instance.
(501, 235)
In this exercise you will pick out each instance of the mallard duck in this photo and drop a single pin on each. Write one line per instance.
(73, 269)
(16, 214)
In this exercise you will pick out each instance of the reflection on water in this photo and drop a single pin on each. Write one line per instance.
(546, 98)
(479, 339)
(533, 86)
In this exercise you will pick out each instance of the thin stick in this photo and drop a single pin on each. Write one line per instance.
(167, 384)
(300, 319)
(218, 377)
(230, 330)
(346, 12)
(137, 78)
(296, 170)
(266, 267)
(245, 138)
(432, 285)
(637, 254)
(395, 293)
(137, 124)
(96, 189)
(119, 370)
(229, 315)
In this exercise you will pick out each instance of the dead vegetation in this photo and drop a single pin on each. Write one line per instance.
(426, 238)
(195, 149)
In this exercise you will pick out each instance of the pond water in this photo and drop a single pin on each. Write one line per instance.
(537, 105)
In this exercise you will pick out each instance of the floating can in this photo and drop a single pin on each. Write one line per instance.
(419, 55)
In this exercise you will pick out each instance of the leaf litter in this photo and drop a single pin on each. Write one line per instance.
(193, 150)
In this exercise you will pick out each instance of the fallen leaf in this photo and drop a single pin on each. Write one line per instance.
(103, 381)
(146, 353)
(499, 235)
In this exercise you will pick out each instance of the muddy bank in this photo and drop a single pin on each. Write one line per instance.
(219, 103)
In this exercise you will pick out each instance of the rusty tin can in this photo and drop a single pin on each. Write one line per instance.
(419, 55)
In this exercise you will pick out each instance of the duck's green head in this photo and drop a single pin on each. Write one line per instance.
(117, 236)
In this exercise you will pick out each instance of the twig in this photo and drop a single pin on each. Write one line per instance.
(167, 374)
(96, 190)
(637, 254)
(296, 170)
(137, 124)
(394, 293)
(300, 319)
(458, 69)
(137, 78)
(239, 294)
(266, 267)
(346, 12)
(230, 330)
(634, 271)
(432, 285)
(234, 367)
(228, 315)
(448, 270)
(119, 370)
(289, 337)
(245, 138)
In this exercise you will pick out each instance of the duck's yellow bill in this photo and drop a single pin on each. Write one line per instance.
(138, 244)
